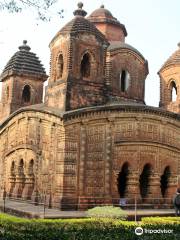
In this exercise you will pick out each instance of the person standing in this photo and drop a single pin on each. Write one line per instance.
(176, 202)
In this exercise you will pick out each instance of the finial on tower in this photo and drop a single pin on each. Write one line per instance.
(80, 5)
(24, 42)
(102, 6)
(80, 11)
(24, 47)
(179, 44)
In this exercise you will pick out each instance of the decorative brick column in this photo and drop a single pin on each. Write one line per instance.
(171, 188)
(81, 192)
(19, 186)
(154, 193)
(28, 187)
(12, 180)
(20, 180)
(132, 189)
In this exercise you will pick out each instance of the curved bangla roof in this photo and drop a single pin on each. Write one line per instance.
(105, 16)
(173, 60)
(121, 107)
(121, 45)
(79, 24)
(24, 62)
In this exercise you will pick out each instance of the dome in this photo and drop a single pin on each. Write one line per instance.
(121, 45)
(103, 15)
(24, 62)
(173, 60)
(79, 24)
(101, 12)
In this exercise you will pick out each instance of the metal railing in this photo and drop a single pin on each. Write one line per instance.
(41, 207)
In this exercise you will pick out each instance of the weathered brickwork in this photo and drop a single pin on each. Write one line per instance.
(167, 77)
(93, 140)
(62, 92)
(137, 68)
(81, 157)
(170, 83)
(22, 81)
(112, 33)
(112, 29)
(30, 136)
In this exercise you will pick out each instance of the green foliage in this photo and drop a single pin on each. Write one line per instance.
(107, 212)
(13, 228)
(161, 220)
(42, 7)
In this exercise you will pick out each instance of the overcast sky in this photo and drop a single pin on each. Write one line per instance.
(153, 28)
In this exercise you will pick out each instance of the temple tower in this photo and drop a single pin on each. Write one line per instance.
(170, 83)
(78, 54)
(22, 81)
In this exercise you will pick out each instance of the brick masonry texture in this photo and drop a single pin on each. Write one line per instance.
(75, 146)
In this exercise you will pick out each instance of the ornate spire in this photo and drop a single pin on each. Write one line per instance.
(24, 47)
(102, 6)
(179, 44)
(80, 11)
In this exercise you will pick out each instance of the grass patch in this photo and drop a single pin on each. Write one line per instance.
(107, 212)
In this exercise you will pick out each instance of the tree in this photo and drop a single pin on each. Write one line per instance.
(42, 7)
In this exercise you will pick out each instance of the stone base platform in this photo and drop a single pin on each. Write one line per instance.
(28, 210)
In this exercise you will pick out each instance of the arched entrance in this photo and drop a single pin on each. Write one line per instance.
(122, 180)
(165, 180)
(31, 178)
(12, 178)
(21, 178)
(144, 180)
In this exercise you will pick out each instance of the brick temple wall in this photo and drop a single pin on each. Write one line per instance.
(168, 75)
(111, 32)
(71, 90)
(31, 136)
(124, 59)
(108, 140)
(80, 157)
(11, 99)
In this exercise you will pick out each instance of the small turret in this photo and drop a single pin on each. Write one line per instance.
(170, 83)
(22, 81)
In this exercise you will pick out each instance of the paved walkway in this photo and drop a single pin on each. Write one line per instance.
(32, 211)
(37, 211)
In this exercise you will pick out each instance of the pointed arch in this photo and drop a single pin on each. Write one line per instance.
(12, 170)
(31, 167)
(21, 168)
(173, 89)
(31, 179)
(86, 65)
(12, 178)
(124, 80)
(122, 179)
(144, 180)
(165, 180)
(26, 94)
(60, 66)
